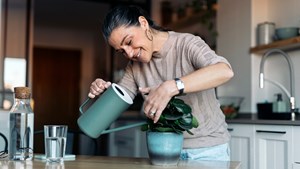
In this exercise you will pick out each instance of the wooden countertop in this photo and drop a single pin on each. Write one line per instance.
(96, 162)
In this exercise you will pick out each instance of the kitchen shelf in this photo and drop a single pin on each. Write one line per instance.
(287, 44)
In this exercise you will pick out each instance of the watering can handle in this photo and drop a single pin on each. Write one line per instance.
(83, 105)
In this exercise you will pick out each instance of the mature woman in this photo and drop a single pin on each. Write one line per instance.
(164, 64)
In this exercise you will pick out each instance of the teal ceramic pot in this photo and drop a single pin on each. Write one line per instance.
(164, 148)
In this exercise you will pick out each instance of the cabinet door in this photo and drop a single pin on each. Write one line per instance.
(296, 166)
(296, 145)
(127, 143)
(273, 146)
(242, 144)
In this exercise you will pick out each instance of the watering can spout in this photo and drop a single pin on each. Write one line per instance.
(123, 127)
(105, 110)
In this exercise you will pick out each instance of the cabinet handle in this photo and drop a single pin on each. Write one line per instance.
(230, 129)
(267, 131)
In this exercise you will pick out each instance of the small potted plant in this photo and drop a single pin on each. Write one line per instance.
(165, 138)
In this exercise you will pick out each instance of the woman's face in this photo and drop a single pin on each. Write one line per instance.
(132, 42)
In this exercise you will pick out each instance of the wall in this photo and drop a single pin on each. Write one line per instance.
(1, 42)
(13, 27)
(276, 67)
(75, 25)
(196, 28)
(95, 55)
(74, 39)
(16, 29)
(237, 34)
(233, 42)
(12, 44)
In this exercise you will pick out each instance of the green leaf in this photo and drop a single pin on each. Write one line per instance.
(184, 127)
(195, 123)
(183, 108)
(164, 129)
(177, 130)
(176, 117)
(186, 119)
(189, 132)
(145, 127)
(173, 116)
(177, 101)
(162, 118)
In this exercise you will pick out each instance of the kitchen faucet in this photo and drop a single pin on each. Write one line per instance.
(292, 78)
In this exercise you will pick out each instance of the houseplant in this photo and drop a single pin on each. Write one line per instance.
(165, 138)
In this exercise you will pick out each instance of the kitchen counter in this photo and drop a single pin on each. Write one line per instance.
(242, 118)
(96, 162)
(250, 118)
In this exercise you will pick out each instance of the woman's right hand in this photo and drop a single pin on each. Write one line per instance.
(98, 87)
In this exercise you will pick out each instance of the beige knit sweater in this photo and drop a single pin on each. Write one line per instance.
(182, 54)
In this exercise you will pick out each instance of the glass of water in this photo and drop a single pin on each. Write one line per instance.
(55, 142)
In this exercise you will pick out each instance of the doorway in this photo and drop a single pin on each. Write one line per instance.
(56, 89)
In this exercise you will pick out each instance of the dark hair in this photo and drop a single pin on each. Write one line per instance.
(125, 16)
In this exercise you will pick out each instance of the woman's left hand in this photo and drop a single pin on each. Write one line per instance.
(158, 98)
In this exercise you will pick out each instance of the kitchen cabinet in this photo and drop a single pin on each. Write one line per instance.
(273, 146)
(296, 166)
(296, 148)
(286, 44)
(242, 144)
(127, 143)
(265, 146)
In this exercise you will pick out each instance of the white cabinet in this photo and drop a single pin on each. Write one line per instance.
(265, 146)
(296, 147)
(296, 166)
(127, 143)
(242, 144)
(273, 146)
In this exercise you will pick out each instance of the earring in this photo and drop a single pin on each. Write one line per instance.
(149, 34)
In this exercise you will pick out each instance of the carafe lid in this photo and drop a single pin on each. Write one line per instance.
(22, 92)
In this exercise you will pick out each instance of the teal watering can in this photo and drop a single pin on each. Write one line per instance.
(105, 110)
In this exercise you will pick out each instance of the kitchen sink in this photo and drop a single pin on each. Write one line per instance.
(274, 116)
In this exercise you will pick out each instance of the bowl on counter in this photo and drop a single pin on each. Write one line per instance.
(230, 105)
(286, 33)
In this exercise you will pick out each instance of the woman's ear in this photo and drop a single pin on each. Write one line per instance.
(143, 22)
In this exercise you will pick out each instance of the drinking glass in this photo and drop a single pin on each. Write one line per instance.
(55, 166)
(55, 142)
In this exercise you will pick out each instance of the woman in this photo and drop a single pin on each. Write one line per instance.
(164, 64)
